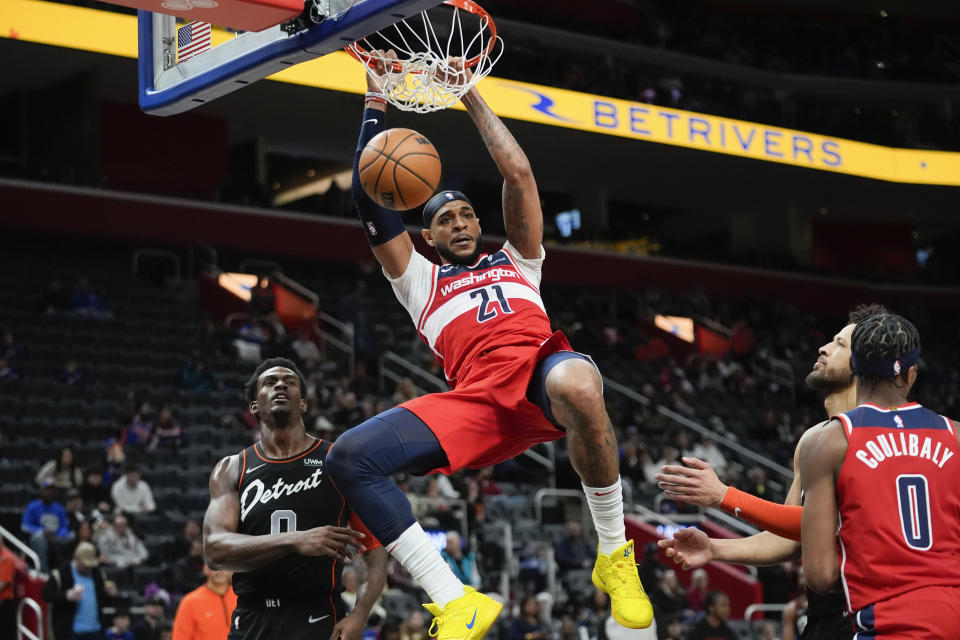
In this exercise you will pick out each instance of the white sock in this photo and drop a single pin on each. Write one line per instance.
(606, 507)
(421, 559)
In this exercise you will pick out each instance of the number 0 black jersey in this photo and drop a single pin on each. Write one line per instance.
(280, 496)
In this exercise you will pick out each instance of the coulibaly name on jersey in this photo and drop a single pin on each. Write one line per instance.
(898, 444)
(256, 491)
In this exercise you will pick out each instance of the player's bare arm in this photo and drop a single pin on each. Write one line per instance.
(225, 549)
(522, 216)
(393, 255)
(820, 459)
(351, 627)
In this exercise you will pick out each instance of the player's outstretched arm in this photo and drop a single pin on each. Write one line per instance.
(692, 549)
(522, 216)
(698, 484)
(820, 458)
(224, 548)
(384, 228)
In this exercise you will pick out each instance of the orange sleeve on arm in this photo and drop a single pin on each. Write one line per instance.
(370, 541)
(783, 520)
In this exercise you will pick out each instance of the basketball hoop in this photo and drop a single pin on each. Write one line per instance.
(422, 79)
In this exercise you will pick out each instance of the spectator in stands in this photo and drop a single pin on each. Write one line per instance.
(697, 595)
(45, 521)
(139, 430)
(651, 569)
(63, 473)
(85, 301)
(706, 449)
(119, 545)
(390, 629)
(187, 573)
(414, 627)
(404, 391)
(306, 349)
(10, 349)
(8, 610)
(714, 626)
(463, 565)
(206, 611)
(197, 376)
(114, 461)
(150, 625)
(767, 632)
(72, 373)
(82, 533)
(398, 578)
(167, 430)
(78, 591)
(8, 372)
(669, 597)
(528, 626)
(73, 505)
(681, 440)
(632, 462)
(252, 339)
(94, 493)
(55, 297)
(574, 551)
(120, 630)
(131, 494)
(757, 484)
(347, 411)
(190, 533)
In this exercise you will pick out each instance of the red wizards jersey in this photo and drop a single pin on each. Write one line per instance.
(463, 311)
(898, 493)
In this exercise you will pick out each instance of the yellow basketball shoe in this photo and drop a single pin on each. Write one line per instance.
(616, 575)
(466, 618)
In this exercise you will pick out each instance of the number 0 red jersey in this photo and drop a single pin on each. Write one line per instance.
(898, 493)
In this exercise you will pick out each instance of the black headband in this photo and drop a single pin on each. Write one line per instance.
(884, 368)
(433, 204)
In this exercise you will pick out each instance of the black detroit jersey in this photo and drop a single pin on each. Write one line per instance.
(279, 496)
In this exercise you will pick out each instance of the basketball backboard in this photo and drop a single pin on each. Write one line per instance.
(168, 86)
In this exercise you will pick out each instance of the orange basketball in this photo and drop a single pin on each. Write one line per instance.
(399, 169)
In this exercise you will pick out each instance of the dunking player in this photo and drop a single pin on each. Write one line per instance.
(892, 471)
(515, 383)
(276, 520)
(698, 484)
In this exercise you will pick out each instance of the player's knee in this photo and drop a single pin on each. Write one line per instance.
(345, 457)
(575, 382)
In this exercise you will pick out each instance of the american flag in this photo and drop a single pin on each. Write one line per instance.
(192, 38)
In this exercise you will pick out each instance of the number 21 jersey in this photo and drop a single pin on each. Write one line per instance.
(898, 493)
(461, 311)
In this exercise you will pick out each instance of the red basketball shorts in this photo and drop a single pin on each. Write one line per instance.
(488, 419)
(929, 613)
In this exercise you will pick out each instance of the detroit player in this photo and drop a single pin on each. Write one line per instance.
(698, 484)
(515, 382)
(891, 469)
(276, 520)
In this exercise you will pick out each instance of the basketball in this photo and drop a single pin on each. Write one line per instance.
(399, 169)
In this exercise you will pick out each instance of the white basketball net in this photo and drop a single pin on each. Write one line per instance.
(422, 79)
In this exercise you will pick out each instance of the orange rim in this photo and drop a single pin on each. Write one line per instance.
(361, 55)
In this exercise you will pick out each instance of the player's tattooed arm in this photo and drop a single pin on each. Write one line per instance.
(224, 548)
(820, 458)
(522, 216)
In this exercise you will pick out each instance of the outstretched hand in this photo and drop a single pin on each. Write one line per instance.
(690, 548)
(328, 541)
(696, 483)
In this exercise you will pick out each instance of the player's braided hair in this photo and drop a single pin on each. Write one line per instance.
(864, 311)
(884, 337)
(250, 388)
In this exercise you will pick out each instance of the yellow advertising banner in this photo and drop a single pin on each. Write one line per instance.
(116, 34)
